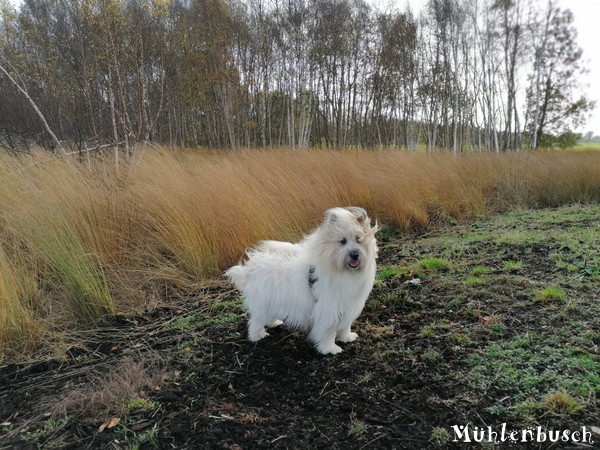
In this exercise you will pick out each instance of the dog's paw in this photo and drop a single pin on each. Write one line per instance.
(275, 323)
(330, 349)
(348, 337)
(258, 335)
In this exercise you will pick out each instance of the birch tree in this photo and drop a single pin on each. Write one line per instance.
(552, 105)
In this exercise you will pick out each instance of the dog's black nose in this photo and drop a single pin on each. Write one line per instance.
(354, 255)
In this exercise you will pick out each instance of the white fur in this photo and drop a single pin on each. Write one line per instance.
(275, 280)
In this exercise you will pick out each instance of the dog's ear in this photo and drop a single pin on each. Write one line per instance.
(330, 217)
(359, 213)
(376, 228)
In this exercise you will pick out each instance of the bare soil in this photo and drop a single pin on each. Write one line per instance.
(437, 347)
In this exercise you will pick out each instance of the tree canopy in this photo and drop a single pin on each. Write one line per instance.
(462, 75)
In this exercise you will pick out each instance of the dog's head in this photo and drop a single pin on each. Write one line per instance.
(348, 239)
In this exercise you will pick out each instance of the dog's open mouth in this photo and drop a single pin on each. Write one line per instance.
(353, 264)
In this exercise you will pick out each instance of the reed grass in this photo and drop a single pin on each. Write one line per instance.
(19, 331)
(79, 241)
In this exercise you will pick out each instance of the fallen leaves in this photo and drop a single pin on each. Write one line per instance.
(111, 423)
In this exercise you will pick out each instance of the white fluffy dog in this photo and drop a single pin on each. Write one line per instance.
(319, 285)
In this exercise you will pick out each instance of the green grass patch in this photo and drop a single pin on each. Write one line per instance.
(457, 301)
(475, 282)
(461, 338)
(225, 313)
(523, 238)
(532, 367)
(51, 427)
(392, 298)
(357, 428)
(440, 437)
(139, 404)
(433, 264)
(551, 294)
(387, 273)
(434, 329)
(431, 356)
(228, 305)
(559, 405)
(183, 323)
(227, 318)
(512, 265)
(479, 271)
(498, 328)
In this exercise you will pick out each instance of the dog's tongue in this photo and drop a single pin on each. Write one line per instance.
(353, 264)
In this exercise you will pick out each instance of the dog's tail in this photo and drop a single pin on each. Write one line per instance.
(237, 276)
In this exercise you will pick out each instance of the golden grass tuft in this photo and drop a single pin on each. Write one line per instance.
(19, 331)
(561, 404)
(81, 241)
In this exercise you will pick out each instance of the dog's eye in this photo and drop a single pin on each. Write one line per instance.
(343, 241)
(358, 239)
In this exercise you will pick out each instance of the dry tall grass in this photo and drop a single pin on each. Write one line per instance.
(18, 328)
(111, 392)
(78, 242)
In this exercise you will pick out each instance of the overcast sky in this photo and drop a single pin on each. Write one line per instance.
(587, 14)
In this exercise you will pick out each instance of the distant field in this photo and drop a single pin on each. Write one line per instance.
(589, 146)
(80, 242)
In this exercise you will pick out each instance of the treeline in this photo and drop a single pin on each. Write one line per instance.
(462, 74)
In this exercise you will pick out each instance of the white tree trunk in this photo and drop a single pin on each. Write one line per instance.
(59, 146)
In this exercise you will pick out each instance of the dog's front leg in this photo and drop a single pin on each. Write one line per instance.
(346, 335)
(323, 336)
(256, 329)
